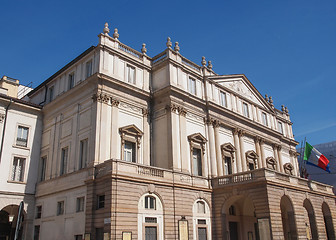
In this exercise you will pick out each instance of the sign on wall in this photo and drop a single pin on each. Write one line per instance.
(183, 229)
(127, 235)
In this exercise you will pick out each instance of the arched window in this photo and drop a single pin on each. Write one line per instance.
(201, 220)
(251, 160)
(228, 151)
(150, 202)
(271, 163)
(150, 217)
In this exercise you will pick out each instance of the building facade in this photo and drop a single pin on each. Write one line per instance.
(20, 140)
(139, 147)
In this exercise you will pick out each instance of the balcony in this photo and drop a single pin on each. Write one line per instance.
(271, 177)
(144, 173)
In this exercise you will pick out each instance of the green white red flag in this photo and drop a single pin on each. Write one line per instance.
(313, 157)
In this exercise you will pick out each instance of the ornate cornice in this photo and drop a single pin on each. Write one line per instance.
(101, 97)
(115, 102)
(2, 117)
(145, 112)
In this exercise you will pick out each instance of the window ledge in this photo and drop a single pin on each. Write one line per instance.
(21, 147)
(18, 182)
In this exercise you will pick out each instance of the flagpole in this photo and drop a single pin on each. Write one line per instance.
(301, 154)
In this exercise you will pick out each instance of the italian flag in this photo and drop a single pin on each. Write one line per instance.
(313, 157)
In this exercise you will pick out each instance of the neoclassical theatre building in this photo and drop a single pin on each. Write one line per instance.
(139, 147)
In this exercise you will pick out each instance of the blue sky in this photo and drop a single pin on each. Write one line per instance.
(286, 49)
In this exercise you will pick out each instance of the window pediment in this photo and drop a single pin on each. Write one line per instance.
(198, 138)
(228, 147)
(251, 154)
(131, 130)
(271, 163)
(288, 167)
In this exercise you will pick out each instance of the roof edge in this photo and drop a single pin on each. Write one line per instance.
(83, 54)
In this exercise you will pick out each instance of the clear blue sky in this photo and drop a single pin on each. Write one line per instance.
(287, 49)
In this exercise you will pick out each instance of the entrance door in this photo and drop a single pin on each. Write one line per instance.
(202, 233)
(150, 233)
(233, 227)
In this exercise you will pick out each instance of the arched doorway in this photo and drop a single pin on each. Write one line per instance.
(288, 219)
(8, 220)
(150, 217)
(238, 219)
(201, 220)
(328, 222)
(311, 228)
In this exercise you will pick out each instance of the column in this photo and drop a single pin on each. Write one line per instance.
(236, 143)
(242, 151)
(276, 156)
(218, 150)
(280, 158)
(146, 137)
(185, 155)
(257, 144)
(114, 129)
(212, 149)
(262, 153)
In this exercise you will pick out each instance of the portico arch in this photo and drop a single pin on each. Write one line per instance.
(328, 221)
(238, 218)
(288, 218)
(8, 220)
(311, 227)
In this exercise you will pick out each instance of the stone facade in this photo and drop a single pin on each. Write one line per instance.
(162, 148)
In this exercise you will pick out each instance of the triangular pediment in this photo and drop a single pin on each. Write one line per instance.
(131, 130)
(197, 137)
(251, 154)
(240, 85)
(228, 147)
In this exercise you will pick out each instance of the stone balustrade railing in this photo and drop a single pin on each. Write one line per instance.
(129, 50)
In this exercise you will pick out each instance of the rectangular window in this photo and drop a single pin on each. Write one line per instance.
(38, 212)
(51, 93)
(71, 80)
(18, 169)
(83, 148)
(192, 86)
(150, 233)
(88, 69)
(37, 232)
(197, 162)
(100, 201)
(130, 74)
(223, 99)
(80, 204)
(99, 234)
(64, 161)
(280, 127)
(43, 163)
(78, 237)
(129, 151)
(60, 208)
(246, 110)
(264, 119)
(202, 233)
(22, 136)
(227, 166)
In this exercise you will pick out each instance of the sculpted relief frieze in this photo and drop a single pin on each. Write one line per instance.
(241, 89)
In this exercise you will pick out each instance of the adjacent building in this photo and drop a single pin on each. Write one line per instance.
(20, 141)
(139, 147)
